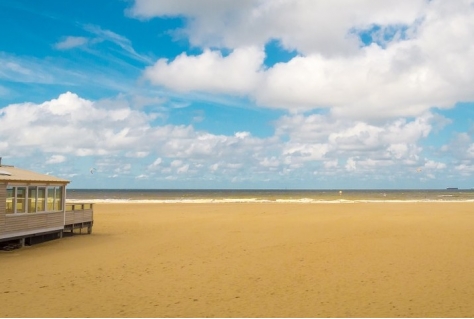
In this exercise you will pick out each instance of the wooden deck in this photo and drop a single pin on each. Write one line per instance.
(79, 216)
(31, 227)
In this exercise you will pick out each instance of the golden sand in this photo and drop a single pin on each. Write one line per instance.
(251, 260)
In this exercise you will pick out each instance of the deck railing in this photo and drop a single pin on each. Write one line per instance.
(78, 206)
(78, 216)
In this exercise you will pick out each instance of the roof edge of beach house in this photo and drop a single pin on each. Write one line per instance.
(33, 205)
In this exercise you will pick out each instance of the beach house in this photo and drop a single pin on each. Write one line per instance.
(33, 207)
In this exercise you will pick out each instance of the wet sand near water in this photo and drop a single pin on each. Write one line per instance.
(251, 260)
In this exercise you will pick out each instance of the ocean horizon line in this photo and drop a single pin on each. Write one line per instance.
(271, 189)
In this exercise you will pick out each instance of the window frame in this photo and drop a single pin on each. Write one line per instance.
(58, 204)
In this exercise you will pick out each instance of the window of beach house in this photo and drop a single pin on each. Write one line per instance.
(59, 198)
(54, 198)
(10, 209)
(32, 199)
(51, 193)
(41, 200)
(21, 199)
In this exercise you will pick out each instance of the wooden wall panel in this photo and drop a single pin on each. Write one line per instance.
(55, 220)
(3, 201)
(3, 198)
(2, 224)
(16, 223)
(32, 223)
(36, 221)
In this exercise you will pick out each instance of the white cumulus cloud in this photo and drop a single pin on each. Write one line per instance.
(236, 73)
(419, 57)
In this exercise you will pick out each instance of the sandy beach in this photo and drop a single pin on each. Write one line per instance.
(251, 260)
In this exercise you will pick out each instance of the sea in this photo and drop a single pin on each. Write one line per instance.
(266, 195)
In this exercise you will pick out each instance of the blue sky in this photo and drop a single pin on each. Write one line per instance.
(239, 94)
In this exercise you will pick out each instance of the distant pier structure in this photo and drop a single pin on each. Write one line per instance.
(33, 208)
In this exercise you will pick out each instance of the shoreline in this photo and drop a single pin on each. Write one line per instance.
(261, 201)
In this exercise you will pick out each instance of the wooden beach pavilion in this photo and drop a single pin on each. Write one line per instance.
(33, 208)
